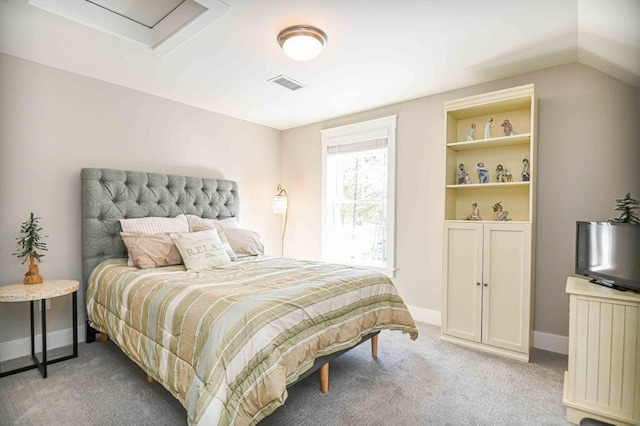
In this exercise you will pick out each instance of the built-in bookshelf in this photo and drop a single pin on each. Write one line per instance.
(487, 294)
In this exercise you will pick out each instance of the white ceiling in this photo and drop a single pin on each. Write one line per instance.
(379, 51)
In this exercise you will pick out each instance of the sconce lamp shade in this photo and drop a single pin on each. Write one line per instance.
(279, 204)
(302, 42)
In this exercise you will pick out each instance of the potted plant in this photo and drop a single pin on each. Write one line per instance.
(627, 205)
(30, 248)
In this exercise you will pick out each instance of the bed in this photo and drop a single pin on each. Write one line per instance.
(226, 341)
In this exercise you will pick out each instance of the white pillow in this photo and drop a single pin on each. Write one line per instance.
(196, 223)
(201, 250)
(244, 242)
(155, 225)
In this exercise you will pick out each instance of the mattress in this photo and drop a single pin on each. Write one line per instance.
(227, 341)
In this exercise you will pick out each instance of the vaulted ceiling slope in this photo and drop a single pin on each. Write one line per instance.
(379, 52)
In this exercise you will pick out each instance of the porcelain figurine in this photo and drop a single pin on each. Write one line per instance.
(483, 173)
(508, 128)
(499, 214)
(487, 129)
(525, 170)
(499, 173)
(461, 174)
(472, 132)
(475, 213)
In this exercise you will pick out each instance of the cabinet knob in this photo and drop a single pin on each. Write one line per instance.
(478, 283)
(486, 285)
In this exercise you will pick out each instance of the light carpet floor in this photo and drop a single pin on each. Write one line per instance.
(423, 382)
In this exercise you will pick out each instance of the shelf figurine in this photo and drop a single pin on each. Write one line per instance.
(507, 176)
(500, 173)
(472, 132)
(483, 173)
(525, 170)
(467, 179)
(508, 128)
(487, 129)
(461, 174)
(475, 213)
(498, 213)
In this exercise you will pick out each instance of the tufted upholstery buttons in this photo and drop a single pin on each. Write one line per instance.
(120, 193)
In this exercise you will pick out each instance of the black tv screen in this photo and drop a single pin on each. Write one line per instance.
(609, 253)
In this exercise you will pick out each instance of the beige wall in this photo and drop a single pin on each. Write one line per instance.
(588, 153)
(54, 123)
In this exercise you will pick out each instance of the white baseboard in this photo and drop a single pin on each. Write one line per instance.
(55, 339)
(425, 315)
(551, 342)
(544, 341)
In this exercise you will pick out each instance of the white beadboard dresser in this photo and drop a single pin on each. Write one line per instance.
(603, 379)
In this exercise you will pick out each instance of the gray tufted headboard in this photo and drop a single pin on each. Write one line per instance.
(109, 195)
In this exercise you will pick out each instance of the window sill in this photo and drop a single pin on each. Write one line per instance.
(389, 272)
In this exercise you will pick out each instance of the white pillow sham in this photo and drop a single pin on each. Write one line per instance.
(197, 223)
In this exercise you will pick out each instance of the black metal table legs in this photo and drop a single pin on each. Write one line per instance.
(42, 365)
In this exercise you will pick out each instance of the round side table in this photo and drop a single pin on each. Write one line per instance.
(34, 292)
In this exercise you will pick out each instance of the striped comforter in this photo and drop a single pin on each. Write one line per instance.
(227, 341)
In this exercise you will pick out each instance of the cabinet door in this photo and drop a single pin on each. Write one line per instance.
(462, 307)
(506, 286)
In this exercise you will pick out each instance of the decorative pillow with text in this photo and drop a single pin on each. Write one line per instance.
(201, 250)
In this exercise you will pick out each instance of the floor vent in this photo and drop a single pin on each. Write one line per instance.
(287, 82)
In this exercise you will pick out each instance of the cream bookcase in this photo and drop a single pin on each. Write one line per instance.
(488, 280)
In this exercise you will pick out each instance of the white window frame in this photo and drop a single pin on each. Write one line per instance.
(384, 127)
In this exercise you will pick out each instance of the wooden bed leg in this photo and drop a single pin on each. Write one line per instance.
(374, 346)
(149, 379)
(324, 378)
(104, 337)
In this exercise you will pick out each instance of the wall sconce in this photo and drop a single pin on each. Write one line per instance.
(279, 205)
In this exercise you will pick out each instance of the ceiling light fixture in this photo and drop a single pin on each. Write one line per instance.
(302, 42)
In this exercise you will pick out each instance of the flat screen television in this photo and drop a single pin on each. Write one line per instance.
(609, 253)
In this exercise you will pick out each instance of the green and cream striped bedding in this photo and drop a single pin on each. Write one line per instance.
(227, 341)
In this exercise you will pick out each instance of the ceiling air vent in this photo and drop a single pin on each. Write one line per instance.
(287, 82)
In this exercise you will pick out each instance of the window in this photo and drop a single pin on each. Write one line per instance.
(358, 196)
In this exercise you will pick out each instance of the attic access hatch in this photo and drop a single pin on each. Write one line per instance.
(160, 25)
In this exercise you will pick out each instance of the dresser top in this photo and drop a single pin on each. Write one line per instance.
(582, 287)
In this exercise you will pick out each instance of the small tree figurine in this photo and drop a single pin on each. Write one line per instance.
(30, 247)
(626, 205)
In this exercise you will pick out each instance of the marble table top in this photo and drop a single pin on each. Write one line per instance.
(46, 290)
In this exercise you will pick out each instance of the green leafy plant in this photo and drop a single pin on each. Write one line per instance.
(30, 244)
(626, 205)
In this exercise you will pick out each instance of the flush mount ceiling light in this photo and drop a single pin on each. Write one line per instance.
(302, 42)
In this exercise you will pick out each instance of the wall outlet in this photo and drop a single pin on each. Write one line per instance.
(47, 305)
